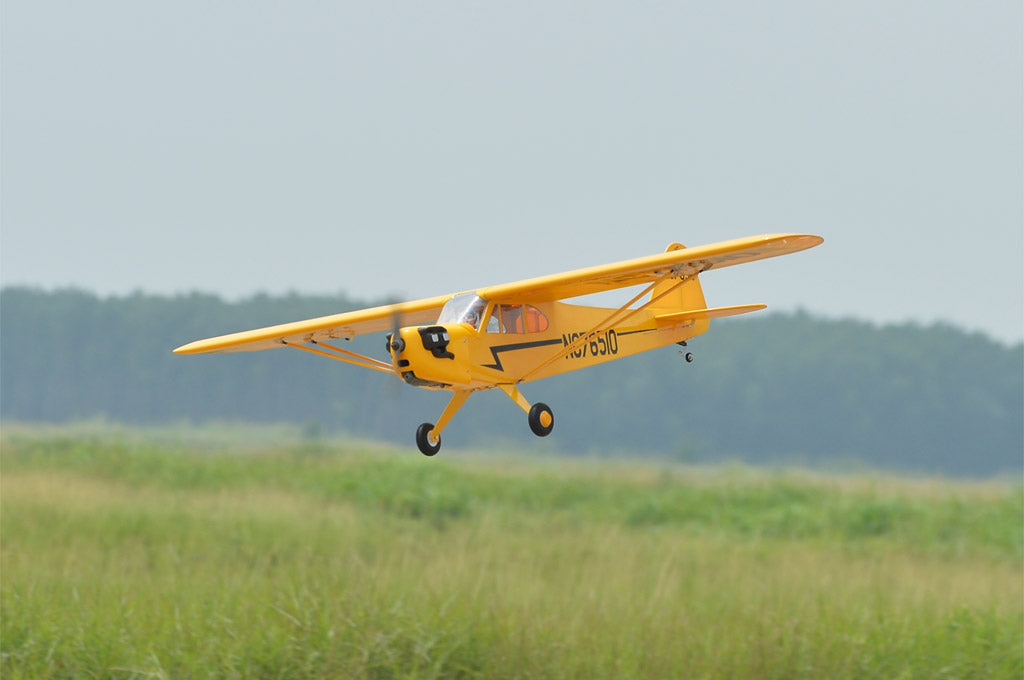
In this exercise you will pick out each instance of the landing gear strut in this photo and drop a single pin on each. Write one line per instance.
(428, 435)
(539, 415)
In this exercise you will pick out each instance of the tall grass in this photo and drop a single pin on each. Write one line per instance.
(125, 557)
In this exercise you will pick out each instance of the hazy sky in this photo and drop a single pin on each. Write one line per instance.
(416, 149)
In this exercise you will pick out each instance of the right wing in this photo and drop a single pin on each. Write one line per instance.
(644, 270)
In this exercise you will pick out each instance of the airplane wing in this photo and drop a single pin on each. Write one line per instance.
(345, 325)
(681, 262)
(644, 270)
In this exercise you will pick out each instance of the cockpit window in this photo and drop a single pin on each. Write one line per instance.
(463, 308)
(520, 319)
(470, 308)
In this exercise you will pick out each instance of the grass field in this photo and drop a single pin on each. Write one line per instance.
(129, 554)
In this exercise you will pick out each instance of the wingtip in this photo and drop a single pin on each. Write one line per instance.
(188, 348)
(796, 241)
(812, 239)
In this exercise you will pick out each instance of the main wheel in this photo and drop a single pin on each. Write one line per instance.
(542, 420)
(427, 448)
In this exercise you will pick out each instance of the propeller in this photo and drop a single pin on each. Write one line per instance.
(395, 344)
(392, 393)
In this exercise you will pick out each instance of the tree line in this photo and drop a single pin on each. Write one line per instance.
(770, 388)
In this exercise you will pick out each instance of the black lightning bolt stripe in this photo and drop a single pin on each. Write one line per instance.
(497, 349)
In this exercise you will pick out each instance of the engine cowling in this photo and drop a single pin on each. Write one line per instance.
(435, 356)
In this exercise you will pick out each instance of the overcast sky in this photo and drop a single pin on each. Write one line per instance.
(414, 149)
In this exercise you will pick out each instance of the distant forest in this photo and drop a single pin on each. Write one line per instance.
(770, 388)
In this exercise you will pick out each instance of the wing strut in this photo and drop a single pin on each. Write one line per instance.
(615, 317)
(343, 355)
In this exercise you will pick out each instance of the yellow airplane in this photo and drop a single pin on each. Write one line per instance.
(505, 335)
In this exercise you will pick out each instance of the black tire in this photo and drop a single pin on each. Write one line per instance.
(689, 357)
(539, 415)
(423, 440)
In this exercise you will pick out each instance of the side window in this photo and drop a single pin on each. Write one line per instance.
(521, 319)
(492, 321)
(511, 318)
(533, 320)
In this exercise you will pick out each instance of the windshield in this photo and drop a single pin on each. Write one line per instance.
(463, 308)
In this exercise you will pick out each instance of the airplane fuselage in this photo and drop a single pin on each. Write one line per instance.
(542, 340)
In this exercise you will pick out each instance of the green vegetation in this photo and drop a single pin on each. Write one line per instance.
(135, 554)
(773, 388)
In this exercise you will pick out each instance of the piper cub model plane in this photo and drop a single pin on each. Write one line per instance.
(503, 336)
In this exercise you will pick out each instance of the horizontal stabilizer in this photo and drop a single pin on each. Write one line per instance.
(681, 318)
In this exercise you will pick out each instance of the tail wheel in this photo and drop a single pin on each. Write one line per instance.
(542, 420)
(426, 446)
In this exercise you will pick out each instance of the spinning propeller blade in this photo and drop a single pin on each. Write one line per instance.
(395, 344)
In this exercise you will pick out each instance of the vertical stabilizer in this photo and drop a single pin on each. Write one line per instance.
(688, 296)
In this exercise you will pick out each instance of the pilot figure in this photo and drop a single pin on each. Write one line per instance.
(472, 316)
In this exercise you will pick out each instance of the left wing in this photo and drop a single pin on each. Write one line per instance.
(345, 325)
